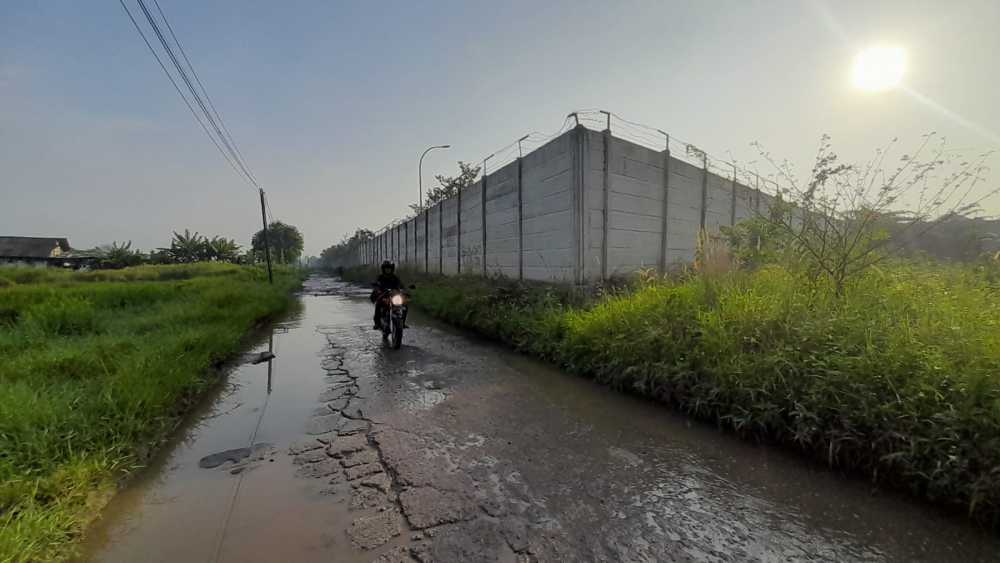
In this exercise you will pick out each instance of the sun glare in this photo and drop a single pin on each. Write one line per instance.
(881, 68)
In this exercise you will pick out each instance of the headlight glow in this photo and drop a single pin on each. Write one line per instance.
(397, 299)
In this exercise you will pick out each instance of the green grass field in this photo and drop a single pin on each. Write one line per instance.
(898, 380)
(94, 369)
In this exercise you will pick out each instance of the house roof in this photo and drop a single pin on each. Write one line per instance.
(31, 247)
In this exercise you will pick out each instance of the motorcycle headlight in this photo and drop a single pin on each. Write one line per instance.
(397, 299)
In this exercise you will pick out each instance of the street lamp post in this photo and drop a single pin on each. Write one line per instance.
(420, 174)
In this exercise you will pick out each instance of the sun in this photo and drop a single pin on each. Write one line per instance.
(879, 68)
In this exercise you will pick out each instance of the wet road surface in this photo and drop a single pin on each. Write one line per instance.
(454, 449)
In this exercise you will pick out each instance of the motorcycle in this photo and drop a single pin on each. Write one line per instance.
(394, 308)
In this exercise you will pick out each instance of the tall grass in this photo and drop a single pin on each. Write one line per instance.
(96, 367)
(898, 379)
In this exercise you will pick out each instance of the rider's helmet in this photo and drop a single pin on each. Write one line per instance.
(388, 267)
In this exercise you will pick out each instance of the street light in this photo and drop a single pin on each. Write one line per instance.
(420, 173)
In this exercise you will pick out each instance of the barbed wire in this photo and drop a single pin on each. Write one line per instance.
(657, 139)
(641, 134)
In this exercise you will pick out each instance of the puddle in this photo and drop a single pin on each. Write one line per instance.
(210, 495)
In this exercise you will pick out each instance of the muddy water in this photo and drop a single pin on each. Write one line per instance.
(453, 449)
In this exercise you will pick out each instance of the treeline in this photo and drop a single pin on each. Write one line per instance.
(285, 242)
(343, 254)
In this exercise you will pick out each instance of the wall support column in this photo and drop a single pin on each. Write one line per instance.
(577, 141)
(732, 207)
(664, 239)
(520, 219)
(458, 222)
(606, 196)
(756, 205)
(483, 206)
(704, 193)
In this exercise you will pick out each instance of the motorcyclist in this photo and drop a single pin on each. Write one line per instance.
(387, 280)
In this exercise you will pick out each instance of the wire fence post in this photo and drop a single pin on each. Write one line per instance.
(427, 243)
(440, 207)
(666, 205)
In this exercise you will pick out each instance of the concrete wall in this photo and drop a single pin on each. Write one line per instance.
(584, 206)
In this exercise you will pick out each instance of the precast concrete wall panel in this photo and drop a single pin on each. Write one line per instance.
(502, 222)
(471, 251)
(547, 225)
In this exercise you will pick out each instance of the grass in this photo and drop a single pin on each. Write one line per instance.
(96, 367)
(898, 380)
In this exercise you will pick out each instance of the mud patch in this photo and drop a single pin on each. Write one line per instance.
(235, 455)
(370, 532)
(324, 424)
(425, 507)
(360, 471)
(362, 457)
(346, 445)
(320, 469)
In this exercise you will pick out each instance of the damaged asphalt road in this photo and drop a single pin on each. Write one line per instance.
(455, 449)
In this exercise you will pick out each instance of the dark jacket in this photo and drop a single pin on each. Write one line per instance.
(389, 281)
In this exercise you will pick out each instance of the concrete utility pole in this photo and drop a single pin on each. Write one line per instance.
(420, 174)
(267, 247)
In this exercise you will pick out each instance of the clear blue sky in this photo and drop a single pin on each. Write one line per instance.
(332, 102)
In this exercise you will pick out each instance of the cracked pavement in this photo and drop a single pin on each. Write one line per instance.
(454, 449)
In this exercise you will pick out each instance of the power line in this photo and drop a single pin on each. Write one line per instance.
(176, 87)
(194, 92)
(198, 80)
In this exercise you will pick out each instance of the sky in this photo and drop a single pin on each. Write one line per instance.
(331, 103)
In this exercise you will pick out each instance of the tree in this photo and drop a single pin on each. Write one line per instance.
(186, 248)
(343, 254)
(285, 241)
(222, 249)
(449, 186)
(835, 223)
(120, 255)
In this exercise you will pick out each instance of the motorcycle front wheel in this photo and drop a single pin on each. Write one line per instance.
(386, 326)
(397, 333)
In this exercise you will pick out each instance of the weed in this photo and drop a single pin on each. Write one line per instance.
(97, 366)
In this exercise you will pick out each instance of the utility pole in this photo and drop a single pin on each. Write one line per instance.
(267, 246)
